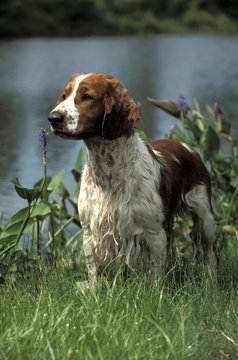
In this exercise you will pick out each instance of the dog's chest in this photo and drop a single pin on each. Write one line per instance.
(119, 195)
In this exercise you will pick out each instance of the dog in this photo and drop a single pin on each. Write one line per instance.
(130, 190)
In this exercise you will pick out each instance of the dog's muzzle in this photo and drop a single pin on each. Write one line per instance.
(55, 118)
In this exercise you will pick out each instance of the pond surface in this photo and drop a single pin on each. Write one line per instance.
(34, 71)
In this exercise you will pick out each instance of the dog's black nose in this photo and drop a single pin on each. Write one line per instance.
(55, 118)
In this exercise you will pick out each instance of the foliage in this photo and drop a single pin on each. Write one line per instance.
(209, 134)
(44, 223)
(98, 17)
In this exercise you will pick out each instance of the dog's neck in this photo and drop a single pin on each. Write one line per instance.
(111, 161)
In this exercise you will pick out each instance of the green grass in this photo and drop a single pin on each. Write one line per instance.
(185, 316)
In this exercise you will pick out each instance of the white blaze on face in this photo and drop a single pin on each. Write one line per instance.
(69, 107)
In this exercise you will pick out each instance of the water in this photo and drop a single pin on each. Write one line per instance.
(34, 71)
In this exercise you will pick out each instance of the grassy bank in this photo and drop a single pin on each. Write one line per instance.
(185, 316)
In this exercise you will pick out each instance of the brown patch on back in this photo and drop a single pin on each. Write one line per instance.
(181, 171)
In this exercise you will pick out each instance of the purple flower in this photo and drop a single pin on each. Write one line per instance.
(182, 103)
(43, 141)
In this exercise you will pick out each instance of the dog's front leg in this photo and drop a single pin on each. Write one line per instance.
(157, 246)
(90, 261)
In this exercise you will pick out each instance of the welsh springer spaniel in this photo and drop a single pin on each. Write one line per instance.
(130, 190)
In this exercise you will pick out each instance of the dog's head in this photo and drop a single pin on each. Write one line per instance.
(94, 104)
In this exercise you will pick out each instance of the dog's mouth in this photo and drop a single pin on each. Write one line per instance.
(65, 135)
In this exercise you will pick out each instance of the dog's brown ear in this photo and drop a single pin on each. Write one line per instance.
(121, 112)
(109, 102)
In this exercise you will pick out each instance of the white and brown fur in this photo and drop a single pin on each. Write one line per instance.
(130, 190)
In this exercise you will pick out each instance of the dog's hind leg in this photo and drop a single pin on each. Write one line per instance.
(199, 205)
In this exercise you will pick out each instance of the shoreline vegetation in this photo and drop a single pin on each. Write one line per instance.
(48, 231)
(116, 17)
(48, 313)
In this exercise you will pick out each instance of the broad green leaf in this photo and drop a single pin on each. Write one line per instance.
(17, 217)
(14, 230)
(197, 114)
(63, 191)
(210, 114)
(212, 141)
(200, 124)
(194, 128)
(25, 193)
(42, 209)
(55, 182)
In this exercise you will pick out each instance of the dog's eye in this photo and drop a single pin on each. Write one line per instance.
(63, 96)
(87, 97)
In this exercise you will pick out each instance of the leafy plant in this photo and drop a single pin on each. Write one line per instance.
(209, 133)
(37, 233)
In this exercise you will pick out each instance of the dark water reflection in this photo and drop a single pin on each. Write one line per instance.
(33, 73)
